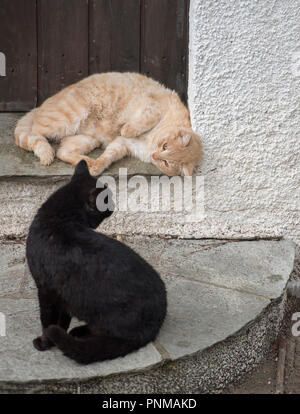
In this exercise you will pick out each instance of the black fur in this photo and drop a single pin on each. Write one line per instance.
(82, 273)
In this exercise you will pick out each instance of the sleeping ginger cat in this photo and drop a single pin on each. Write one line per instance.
(126, 113)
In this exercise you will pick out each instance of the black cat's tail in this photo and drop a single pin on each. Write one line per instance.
(90, 348)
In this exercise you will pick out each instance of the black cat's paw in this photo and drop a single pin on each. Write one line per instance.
(42, 343)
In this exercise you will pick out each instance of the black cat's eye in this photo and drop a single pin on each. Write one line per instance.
(165, 146)
(166, 163)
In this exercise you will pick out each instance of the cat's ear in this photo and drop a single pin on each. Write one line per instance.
(93, 194)
(187, 170)
(185, 139)
(81, 169)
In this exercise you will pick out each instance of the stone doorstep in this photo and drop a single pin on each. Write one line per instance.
(215, 289)
(25, 184)
(15, 161)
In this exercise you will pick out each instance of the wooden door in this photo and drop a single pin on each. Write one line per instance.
(49, 44)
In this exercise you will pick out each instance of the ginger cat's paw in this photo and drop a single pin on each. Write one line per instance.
(97, 168)
(128, 131)
(45, 153)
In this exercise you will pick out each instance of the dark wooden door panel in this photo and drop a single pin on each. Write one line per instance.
(114, 35)
(50, 44)
(18, 89)
(164, 39)
(62, 44)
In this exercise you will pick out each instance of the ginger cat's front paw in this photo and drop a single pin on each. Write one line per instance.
(128, 131)
(45, 153)
(96, 169)
(99, 165)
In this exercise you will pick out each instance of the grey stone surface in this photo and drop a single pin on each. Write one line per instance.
(206, 372)
(20, 197)
(19, 361)
(15, 161)
(12, 259)
(252, 267)
(202, 315)
(28, 288)
(20, 200)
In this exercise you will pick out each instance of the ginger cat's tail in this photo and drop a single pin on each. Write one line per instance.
(26, 139)
(90, 348)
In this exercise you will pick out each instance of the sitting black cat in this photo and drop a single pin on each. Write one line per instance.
(85, 274)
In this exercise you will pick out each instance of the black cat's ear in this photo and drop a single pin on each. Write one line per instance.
(93, 195)
(81, 169)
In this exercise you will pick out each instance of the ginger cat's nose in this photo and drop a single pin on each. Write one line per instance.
(154, 156)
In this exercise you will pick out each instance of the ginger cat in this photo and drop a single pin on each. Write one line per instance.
(126, 113)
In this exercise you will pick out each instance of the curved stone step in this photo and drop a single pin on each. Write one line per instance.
(225, 305)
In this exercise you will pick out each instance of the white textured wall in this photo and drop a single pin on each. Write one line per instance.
(244, 97)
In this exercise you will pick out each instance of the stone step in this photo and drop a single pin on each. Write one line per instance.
(225, 306)
(25, 184)
(16, 162)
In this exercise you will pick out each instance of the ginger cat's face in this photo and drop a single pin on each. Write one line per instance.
(177, 152)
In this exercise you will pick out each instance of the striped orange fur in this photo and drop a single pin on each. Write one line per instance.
(125, 113)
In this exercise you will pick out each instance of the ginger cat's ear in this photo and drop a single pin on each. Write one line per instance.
(81, 169)
(187, 169)
(185, 139)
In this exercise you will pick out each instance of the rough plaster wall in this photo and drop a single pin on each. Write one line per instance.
(244, 97)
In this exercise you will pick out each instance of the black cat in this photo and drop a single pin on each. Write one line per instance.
(85, 274)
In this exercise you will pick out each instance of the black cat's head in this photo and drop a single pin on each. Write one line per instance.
(96, 202)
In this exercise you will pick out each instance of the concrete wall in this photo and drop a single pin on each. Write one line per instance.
(244, 98)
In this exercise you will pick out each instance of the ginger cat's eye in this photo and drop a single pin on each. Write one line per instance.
(165, 146)
(166, 163)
